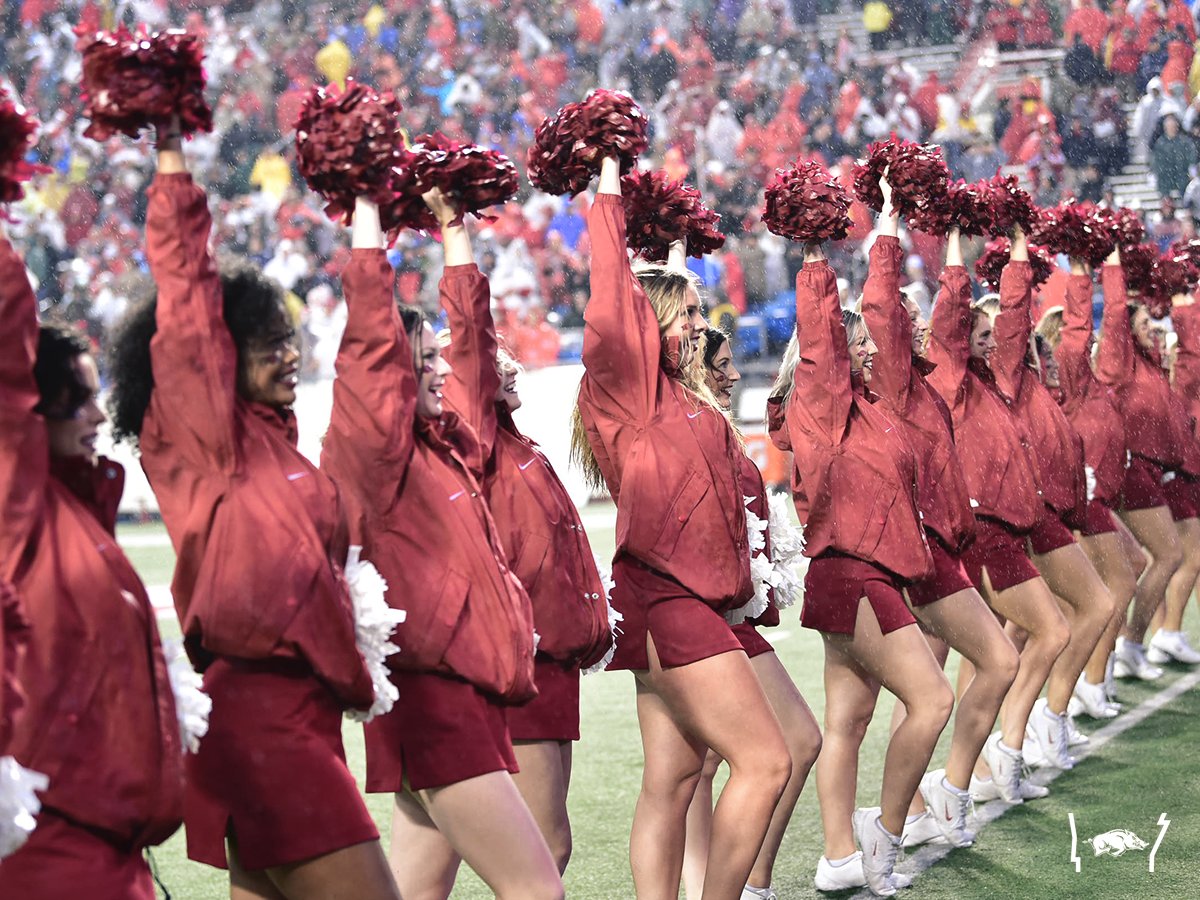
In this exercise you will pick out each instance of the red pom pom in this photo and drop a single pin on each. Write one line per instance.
(659, 211)
(1138, 262)
(140, 80)
(18, 135)
(916, 172)
(805, 203)
(1010, 206)
(966, 207)
(569, 146)
(1189, 249)
(1125, 224)
(1171, 275)
(472, 178)
(1075, 229)
(995, 257)
(347, 143)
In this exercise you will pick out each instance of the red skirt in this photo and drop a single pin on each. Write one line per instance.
(1001, 551)
(1142, 487)
(441, 731)
(834, 585)
(62, 861)
(1049, 533)
(271, 769)
(948, 577)
(553, 715)
(752, 642)
(685, 628)
(1182, 498)
(1097, 520)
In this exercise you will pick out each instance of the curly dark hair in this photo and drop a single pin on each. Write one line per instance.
(253, 305)
(60, 391)
(714, 340)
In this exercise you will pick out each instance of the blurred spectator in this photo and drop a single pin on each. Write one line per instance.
(877, 20)
(1146, 115)
(1173, 154)
(1081, 64)
(1087, 23)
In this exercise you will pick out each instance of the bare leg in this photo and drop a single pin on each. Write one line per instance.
(1183, 582)
(941, 652)
(352, 872)
(718, 703)
(1089, 609)
(244, 884)
(543, 781)
(1155, 530)
(699, 829)
(1108, 556)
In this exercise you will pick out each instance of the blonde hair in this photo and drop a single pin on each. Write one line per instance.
(668, 292)
(785, 381)
(1050, 326)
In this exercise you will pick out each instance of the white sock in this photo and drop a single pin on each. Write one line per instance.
(892, 837)
(761, 892)
(948, 786)
(1007, 749)
(838, 863)
(908, 820)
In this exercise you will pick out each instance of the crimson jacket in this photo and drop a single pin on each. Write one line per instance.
(991, 442)
(671, 462)
(100, 715)
(14, 634)
(898, 378)
(423, 518)
(1186, 320)
(259, 531)
(1057, 449)
(1091, 405)
(854, 478)
(1139, 381)
(537, 522)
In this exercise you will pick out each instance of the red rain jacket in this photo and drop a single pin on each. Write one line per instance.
(992, 443)
(1186, 320)
(100, 714)
(419, 507)
(898, 379)
(671, 462)
(259, 531)
(854, 478)
(535, 518)
(14, 635)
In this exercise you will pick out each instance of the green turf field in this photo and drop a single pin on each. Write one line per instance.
(1146, 771)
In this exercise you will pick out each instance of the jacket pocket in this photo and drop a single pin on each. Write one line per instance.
(678, 512)
(428, 649)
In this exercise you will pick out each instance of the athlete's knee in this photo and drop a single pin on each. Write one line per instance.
(1053, 635)
(848, 724)
(1169, 556)
(804, 744)
(999, 665)
(561, 845)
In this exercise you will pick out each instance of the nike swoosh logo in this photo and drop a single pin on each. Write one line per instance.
(524, 466)
(456, 495)
(693, 415)
(296, 475)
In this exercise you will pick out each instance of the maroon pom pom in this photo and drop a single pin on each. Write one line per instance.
(1189, 249)
(569, 145)
(1010, 205)
(995, 257)
(18, 135)
(966, 207)
(805, 203)
(347, 143)
(1138, 262)
(916, 172)
(1171, 275)
(136, 80)
(659, 211)
(1125, 224)
(1074, 229)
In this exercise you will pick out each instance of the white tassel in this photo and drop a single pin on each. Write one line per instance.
(374, 624)
(788, 562)
(192, 705)
(1090, 475)
(614, 618)
(760, 569)
(19, 804)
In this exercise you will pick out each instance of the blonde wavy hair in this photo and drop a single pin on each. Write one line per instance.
(668, 291)
(1050, 326)
(785, 381)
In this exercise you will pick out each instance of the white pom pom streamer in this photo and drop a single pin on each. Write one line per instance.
(1090, 475)
(788, 562)
(374, 624)
(614, 618)
(19, 804)
(192, 705)
(760, 569)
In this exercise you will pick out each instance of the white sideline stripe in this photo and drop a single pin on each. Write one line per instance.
(144, 540)
(916, 863)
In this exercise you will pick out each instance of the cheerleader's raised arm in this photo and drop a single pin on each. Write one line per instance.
(950, 325)
(1013, 324)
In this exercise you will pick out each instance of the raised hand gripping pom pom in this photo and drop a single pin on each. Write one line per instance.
(347, 142)
(804, 203)
(1137, 261)
(569, 145)
(137, 80)
(990, 265)
(916, 172)
(659, 211)
(1125, 224)
(1011, 206)
(18, 135)
(1074, 229)
(1171, 275)
(966, 207)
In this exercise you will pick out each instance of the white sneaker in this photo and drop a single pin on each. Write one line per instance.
(1005, 764)
(879, 850)
(840, 878)
(1132, 663)
(753, 893)
(948, 807)
(1075, 737)
(1090, 700)
(1110, 682)
(1031, 750)
(920, 830)
(1031, 791)
(984, 790)
(1049, 730)
(1171, 646)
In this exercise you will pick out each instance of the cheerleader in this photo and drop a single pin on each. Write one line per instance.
(99, 719)
(540, 528)
(800, 728)
(996, 459)
(649, 428)
(1090, 408)
(1127, 363)
(946, 603)
(1058, 459)
(854, 487)
(413, 471)
(205, 377)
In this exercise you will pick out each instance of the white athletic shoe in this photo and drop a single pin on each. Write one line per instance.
(753, 893)
(1075, 737)
(1006, 765)
(1090, 700)
(1031, 791)
(948, 807)
(920, 830)
(879, 850)
(1050, 732)
(984, 790)
(1171, 646)
(840, 878)
(1031, 750)
(1132, 663)
(1110, 682)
